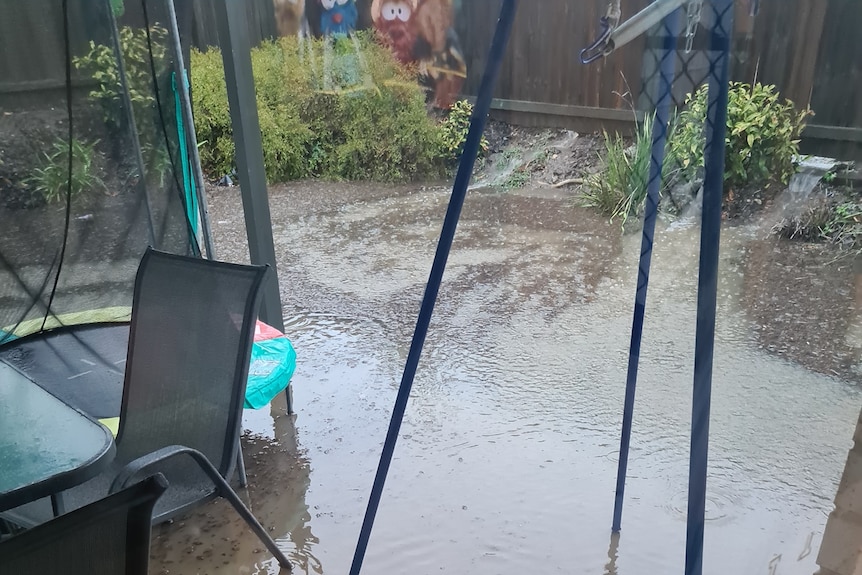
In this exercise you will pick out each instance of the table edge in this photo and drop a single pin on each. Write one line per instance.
(70, 478)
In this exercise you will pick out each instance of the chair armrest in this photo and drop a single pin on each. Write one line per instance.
(135, 466)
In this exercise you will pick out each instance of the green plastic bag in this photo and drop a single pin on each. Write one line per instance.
(273, 361)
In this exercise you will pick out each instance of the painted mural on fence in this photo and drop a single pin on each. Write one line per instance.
(420, 33)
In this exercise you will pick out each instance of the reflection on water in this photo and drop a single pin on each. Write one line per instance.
(841, 551)
(507, 457)
(611, 567)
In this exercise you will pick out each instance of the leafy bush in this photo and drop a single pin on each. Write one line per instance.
(51, 177)
(454, 128)
(211, 112)
(762, 135)
(360, 117)
(101, 64)
(619, 188)
(845, 225)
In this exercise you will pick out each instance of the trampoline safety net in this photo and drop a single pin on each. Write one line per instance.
(71, 236)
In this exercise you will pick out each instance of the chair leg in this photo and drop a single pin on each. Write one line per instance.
(57, 505)
(229, 494)
(288, 393)
(224, 489)
(240, 465)
(255, 525)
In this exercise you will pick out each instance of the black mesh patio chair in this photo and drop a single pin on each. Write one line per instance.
(108, 537)
(190, 341)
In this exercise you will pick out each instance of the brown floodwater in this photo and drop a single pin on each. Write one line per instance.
(507, 457)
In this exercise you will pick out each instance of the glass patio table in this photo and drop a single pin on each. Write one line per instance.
(46, 446)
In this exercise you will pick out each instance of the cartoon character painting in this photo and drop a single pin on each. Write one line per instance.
(338, 17)
(393, 21)
(288, 16)
(422, 32)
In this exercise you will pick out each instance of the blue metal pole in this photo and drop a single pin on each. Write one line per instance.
(444, 245)
(667, 70)
(707, 288)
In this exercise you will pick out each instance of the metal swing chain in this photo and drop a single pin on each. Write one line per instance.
(693, 12)
(614, 13)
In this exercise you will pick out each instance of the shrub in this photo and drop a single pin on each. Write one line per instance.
(454, 128)
(51, 177)
(813, 223)
(101, 64)
(361, 117)
(762, 135)
(845, 225)
(211, 113)
(619, 188)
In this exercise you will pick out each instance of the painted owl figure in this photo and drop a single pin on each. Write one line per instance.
(422, 31)
(338, 17)
(393, 21)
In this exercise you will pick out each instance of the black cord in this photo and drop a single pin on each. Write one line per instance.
(163, 124)
(34, 296)
(68, 49)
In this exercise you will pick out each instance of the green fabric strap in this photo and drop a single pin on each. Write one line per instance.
(188, 180)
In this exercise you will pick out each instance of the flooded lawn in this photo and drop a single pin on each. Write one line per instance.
(507, 457)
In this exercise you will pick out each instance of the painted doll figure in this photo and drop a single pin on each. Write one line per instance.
(338, 17)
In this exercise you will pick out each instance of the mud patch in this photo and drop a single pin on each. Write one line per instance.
(741, 205)
(525, 363)
(524, 157)
(802, 303)
(324, 230)
(214, 539)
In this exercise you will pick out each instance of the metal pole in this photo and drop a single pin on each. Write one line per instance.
(707, 288)
(130, 118)
(185, 99)
(236, 53)
(444, 245)
(641, 22)
(659, 138)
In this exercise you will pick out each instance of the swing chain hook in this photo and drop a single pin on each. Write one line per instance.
(693, 13)
(603, 45)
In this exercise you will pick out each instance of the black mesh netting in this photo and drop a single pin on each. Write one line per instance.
(70, 247)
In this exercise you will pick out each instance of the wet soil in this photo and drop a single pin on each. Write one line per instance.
(529, 157)
(747, 203)
(802, 298)
(507, 456)
(508, 451)
(113, 209)
(214, 539)
(485, 219)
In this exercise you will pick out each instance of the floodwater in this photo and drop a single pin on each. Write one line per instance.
(507, 457)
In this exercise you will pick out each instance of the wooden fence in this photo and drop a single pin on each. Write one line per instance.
(810, 49)
(31, 43)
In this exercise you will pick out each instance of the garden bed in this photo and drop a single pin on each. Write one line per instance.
(107, 217)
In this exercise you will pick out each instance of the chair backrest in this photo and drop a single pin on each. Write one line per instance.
(108, 537)
(190, 340)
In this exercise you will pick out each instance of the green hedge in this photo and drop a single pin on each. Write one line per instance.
(380, 131)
